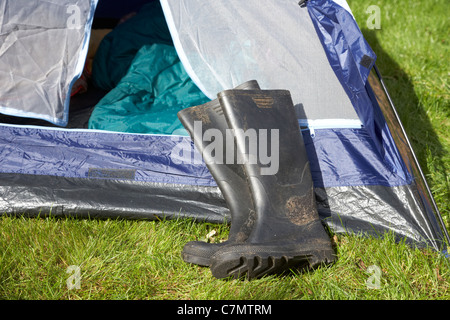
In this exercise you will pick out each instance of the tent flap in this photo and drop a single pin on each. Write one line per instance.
(345, 44)
(35, 82)
(273, 42)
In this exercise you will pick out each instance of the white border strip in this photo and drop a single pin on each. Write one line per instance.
(179, 47)
(82, 130)
(313, 125)
(331, 123)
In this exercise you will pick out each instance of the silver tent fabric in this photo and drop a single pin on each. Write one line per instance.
(43, 45)
(225, 43)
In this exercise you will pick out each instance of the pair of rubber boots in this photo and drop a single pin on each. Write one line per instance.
(275, 225)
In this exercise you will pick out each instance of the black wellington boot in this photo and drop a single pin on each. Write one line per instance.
(288, 232)
(230, 178)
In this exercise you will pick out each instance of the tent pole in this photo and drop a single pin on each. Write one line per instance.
(438, 214)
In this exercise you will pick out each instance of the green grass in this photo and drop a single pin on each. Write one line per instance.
(141, 259)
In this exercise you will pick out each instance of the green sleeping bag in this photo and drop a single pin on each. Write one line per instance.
(147, 84)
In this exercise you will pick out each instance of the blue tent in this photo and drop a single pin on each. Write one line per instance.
(365, 173)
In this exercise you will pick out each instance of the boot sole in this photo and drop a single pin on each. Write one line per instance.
(258, 261)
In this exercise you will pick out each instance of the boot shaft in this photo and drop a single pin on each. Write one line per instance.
(206, 124)
(283, 198)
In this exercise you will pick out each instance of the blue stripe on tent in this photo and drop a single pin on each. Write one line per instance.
(87, 154)
(347, 157)
(344, 41)
(352, 59)
(339, 157)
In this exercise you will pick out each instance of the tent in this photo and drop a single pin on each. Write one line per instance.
(55, 160)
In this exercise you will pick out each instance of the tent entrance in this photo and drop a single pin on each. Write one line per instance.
(140, 71)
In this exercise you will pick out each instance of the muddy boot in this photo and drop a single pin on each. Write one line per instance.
(230, 178)
(287, 232)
